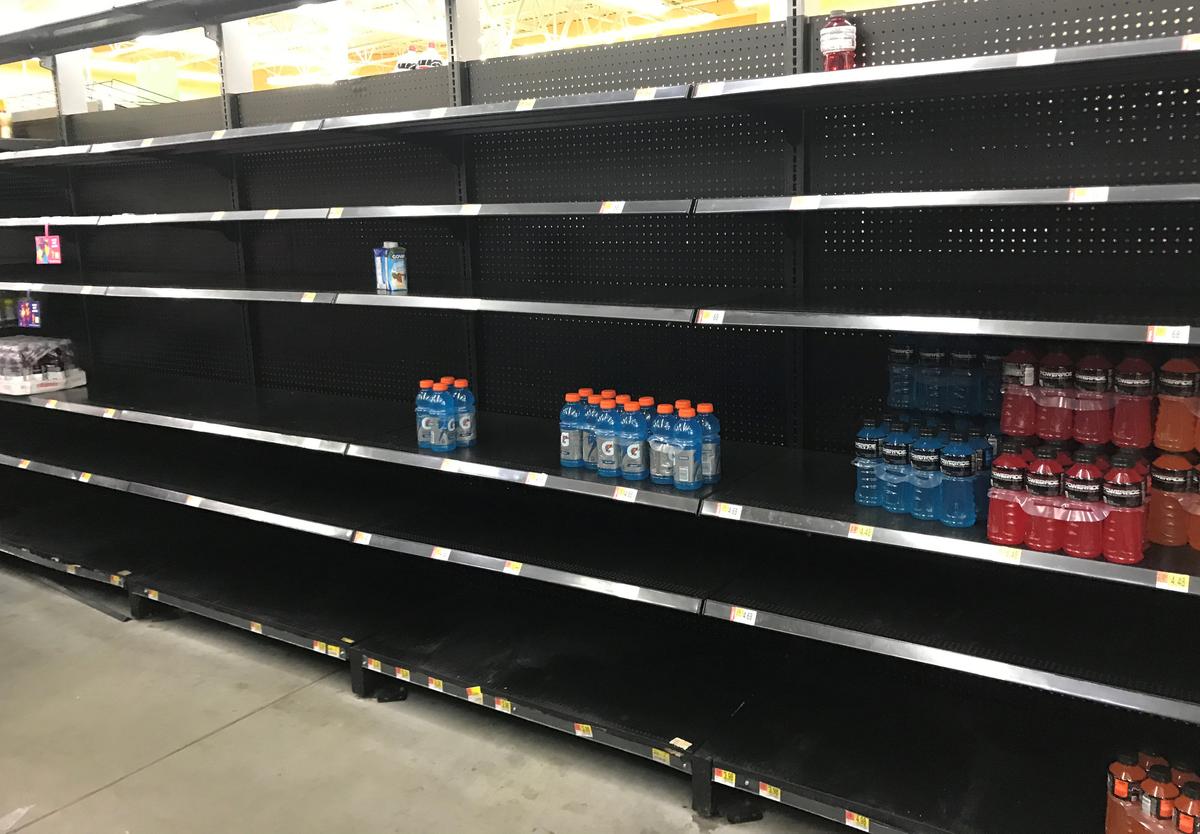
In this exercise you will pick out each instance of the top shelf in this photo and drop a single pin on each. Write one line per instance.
(1131, 59)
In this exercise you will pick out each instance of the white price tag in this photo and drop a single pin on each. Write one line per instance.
(475, 694)
(308, 298)
(1089, 194)
(361, 538)
(1177, 334)
(612, 207)
(437, 113)
(193, 500)
(85, 477)
(724, 777)
(536, 478)
(859, 822)
(769, 791)
(217, 216)
(374, 665)
(256, 627)
(645, 93)
(583, 730)
(147, 142)
(526, 104)
(470, 209)
(731, 511)
(442, 554)
(1191, 42)
(710, 316)
(152, 594)
(710, 88)
(435, 684)
(1036, 58)
(628, 494)
(865, 532)
(513, 568)
(297, 126)
(742, 615)
(502, 704)
(403, 674)
(110, 413)
(805, 202)
(449, 465)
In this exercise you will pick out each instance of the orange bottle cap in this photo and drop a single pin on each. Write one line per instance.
(623, 398)
(665, 408)
(427, 383)
(687, 412)
(572, 398)
(594, 399)
(705, 408)
(461, 383)
(441, 386)
(449, 380)
(586, 392)
(646, 402)
(608, 393)
(607, 405)
(683, 403)
(632, 407)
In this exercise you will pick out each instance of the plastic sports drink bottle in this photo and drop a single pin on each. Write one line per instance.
(621, 400)
(1193, 520)
(959, 474)
(444, 412)
(710, 456)
(681, 404)
(631, 443)
(647, 406)
(1187, 808)
(1158, 801)
(993, 363)
(925, 458)
(608, 394)
(424, 420)
(964, 390)
(983, 462)
(1150, 758)
(929, 392)
(1170, 478)
(839, 42)
(1182, 772)
(1018, 409)
(1175, 428)
(901, 369)
(464, 402)
(897, 488)
(662, 454)
(1124, 494)
(1133, 382)
(584, 393)
(687, 438)
(1056, 405)
(1044, 480)
(570, 433)
(1124, 794)
(1093, 403)
(868, 457)
(1007, 523)
(591, 414)
(1084, 536)
(608, 463)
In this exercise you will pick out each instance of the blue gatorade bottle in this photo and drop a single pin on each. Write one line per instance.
(897, 486)
(464, 402)
(710, 453)
(647, 404)
(631, 443)
(662, 453)
(901, 370)
(608, 463)
(424, 420)
(929, 388)
(868, 451)
(444, 412)
(925, 458)
(964, 382)
(570, 433)
(958, 482)
(587, 435)
(688, 440)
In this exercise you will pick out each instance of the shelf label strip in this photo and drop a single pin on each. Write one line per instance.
(1167, 581)
(859, 822)
(724, 777)
(1170, 334)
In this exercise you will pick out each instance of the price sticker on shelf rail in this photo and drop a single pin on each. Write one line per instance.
(724, 777)
(583, 730)
(152, 594)
(374, 665)
(660, 756)
(502, 704)
(435, 684)
(23, 464)
(475, 694)
(1167, 581)
(114, 579)
(361, 538)
(217, 216)
(217, 134)
(72, 569)
(1036, 58)
(861, 531)
(526, 104)
(746, 616)
(85, 477)
(442, 554)
(645, 93)
(710, 316)
(1191, 42)
(308, 298)
(625, 494)
(335, 213)
(612, 207)
(536, 478)
(449, 465)
(319, 646)
(193, 500)
(256, 627)
(730, 511)
(271, 214)
(110, 413)
(769, 791)
(1088, 194)
(403, 674)
(513, 568)
(1009, 554)
(470, 209)
(333, 650)
(681, 743)
(51, 403)
(805, 202)
(859, 822)
(1170, 334)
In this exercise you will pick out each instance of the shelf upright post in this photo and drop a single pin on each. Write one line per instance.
(704, 800)
(361, 684)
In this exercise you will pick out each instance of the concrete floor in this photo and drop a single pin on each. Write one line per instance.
(189, 726)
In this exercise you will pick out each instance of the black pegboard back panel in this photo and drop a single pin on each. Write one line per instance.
(368, 352)
(157, 255)
(390, 92)
(1111, 134)
(336, 255)
(153, 186)
(757, 51)
(720, 155)
(368, 174)
(684, 260)
(140, 122)
(1068, 263)
(37, 129)
(25, 193)
(845, 379)
(939, 29)
(528, 362)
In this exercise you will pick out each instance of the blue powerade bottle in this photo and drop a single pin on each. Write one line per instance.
(964, 382)
(688, 440)
(929, 384)
(710, 452)
(925, 458)
(590, 414)
(424, 420)
(901, 371)
(631, 443)
(464, 402)
(608, 463)
(984, 454)
(958, 482)
(444, 412)
(868, 449)
(897, 488)
(662, 453)
(570, 433)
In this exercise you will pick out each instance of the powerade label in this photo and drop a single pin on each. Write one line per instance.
(466, 427)
(1019, 373)
(662, 458)
(901, 354)
(963, 359)
(1008, 477)
(710, 460)
(1093, 379)
(1177, 384)
(1135, 384)
(867, 447)
(1185, 822)
(958, 465)
(1043, 483)
(926, 460)
(686, 471)
(1158, 807)
(932, 356)
(1055, 377)
(1123, 495)
(1169, 480)
(895, 454)
(838, 38)
(570, 445)
(1124, 789)
(633, 457)
(606, 454)
(587, 442)
(993, 361)
(1082, 489)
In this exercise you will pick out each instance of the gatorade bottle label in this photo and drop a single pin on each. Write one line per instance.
(958, 465)
(1019, 373)
(445, 432)
(571, 445)
(587, 440)
(662, 458)
(867, 447)
(895, 454)
(606, 454)
(1123, 495)
(1008, 477)
(685, 466)
(926, 460)
(425, 426)
(633, 457)
(710, 459)
(1043, 483)
(466, 427)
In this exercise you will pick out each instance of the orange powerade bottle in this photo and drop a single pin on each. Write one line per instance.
(1158, 802)
(1182, 772)
(1170, 479)
(1187, 808)
(1124, 787)
(1175, 428)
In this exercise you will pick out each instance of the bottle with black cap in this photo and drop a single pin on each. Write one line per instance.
(1083, 536)
(1158, 801)
(1044, 481)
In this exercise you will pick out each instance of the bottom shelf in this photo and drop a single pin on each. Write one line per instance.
(901, 748)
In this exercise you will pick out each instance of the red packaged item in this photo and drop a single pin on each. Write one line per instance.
(1133, 383)
(1007, 522)
(1018, 409)
(1124, 794)
(1093, 401)
(1044, 483)
(1187, 808)
(1055, 414)
(1148, 759)
(1157, 801)
(1182, 772)
(1124, 494)
(1192, 505)
(1084, 534)
(1175, 428)
(839, 42)
(1170, 480)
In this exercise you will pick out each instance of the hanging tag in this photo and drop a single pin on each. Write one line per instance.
(48, 247)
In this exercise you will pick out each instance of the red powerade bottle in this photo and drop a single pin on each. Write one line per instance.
(1124, 793)
(1182, 772)
(1133, 382)
(1158, 801)
(1044, 481)
(1056, 400)
(1018, 409)
(1124, 493)
(1007, 522)
(1084, 536)
(1093, 403)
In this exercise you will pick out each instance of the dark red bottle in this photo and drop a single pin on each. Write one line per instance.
(1124, 494)
(1093, 403)
(1018, 409)
(1084, 536)
(1055, 398)
(1133, 382)
(1101, 454)
(1007, 522)
(1044, 481)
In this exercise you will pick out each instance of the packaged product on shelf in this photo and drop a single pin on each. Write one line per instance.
(608, 464)
(425, 414)
(1093, 402)
(570, 427)
(1182, 772)
(902, 368)
(687, 440)
(1175, 426)
(895, 478)
(710, 455)
(1055, 414)
(631, 443)
(925, 459)
(1007, 522)
(929, 392)
(391, 268)
(1192, 506)
(1044, 485)
(1187, 807)
(1158, 793)
(993, 364)
(648, 407)
(1124, 794)
(1133, 398)
(982, 451)
(444, 413)
(1124, 494)
(1170, 480)
(959, 463)
(964, 382)
(38, 364)
(1082, 486)
(1018, 410)
(662, 452)
(591, 413)
(839, 42)
(464, 400)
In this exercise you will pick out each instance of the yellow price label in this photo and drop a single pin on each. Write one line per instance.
(1010, 554)
(627, 494)
(193, 500)
(442, 554)
(513, 568)
(361, 538)
(612, 207)
(1089, 194)
(85, 477)
(660, 756)
(435, 684)
(859, 822)
(731, 511)
(374, 665)
(51, 403)
(110, 413)
(583, 730)
(475, 694)
(861, 531)
(308, 298)
(151, 594)
(536, 478)
(724, 777)
(24, 464)
(1170, 334)
(333, 650)
(710, 316)
(319, 646)
(1167, 581)
(335, 213)
(526, 104)
(502, 704)
(256, 627)
(114, 579)
(72, 569)
(746, 616)
(769, 791)
(403, 674)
